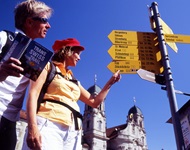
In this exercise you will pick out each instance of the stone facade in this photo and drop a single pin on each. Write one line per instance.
(128, 136)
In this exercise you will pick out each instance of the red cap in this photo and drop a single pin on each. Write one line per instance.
(59, 44)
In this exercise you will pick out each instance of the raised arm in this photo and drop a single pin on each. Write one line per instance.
(94, 102)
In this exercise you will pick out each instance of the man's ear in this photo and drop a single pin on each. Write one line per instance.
(29, 22)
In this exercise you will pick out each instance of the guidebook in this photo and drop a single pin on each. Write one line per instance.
(32, 55)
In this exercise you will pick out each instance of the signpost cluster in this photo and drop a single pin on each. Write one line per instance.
(133, 50)
(145, 53)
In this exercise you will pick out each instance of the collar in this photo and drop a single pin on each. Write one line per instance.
(63, 70)
(17, 31)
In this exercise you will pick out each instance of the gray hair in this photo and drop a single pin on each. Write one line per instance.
(30, 8)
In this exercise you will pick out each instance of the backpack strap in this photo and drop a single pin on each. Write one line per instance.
(76, 114)
(49, 78)
(10, 38)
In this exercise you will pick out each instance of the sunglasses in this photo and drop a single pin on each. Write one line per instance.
(42, 20)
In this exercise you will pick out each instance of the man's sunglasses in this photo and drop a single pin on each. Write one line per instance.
(42, 20)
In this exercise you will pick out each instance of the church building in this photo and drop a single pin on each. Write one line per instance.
(128, 136)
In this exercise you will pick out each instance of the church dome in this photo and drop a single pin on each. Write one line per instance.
(135, 110)
(94, 89)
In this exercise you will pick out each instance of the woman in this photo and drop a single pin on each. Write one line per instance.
(55, 126)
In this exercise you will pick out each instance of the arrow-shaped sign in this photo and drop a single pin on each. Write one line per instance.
(178, 38)
(125, 52)
(131, 67)
(166, 30)
(132, 37)
(152, 77)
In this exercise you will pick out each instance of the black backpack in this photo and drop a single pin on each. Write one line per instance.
(49, 78)
(10, 38)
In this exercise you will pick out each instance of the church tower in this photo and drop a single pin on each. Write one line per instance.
(94, 124)
(136, 128)
(131, 135)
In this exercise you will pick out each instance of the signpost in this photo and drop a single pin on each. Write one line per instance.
(168, 78)
(134, 50)
(145, 53)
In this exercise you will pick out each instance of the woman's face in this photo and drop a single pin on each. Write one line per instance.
(74, 58)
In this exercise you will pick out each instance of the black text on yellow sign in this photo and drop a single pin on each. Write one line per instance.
(166, 30)
(178, 38)
(132, 37)
(125, 52)
(131, 67)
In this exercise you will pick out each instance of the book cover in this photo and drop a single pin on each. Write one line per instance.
(32, 55)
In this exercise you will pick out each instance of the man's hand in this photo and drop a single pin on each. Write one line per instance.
(11, 67)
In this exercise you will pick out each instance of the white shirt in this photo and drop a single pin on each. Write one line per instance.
(12, 90)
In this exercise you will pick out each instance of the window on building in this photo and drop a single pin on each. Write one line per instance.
(89, 108)
(143, 140)
(99, 124)
(133, 129)
(100, 107)
(88, 124)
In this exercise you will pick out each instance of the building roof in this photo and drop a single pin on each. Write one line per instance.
(113, 132)
(95, 89)
(180, 111)
(135, 110)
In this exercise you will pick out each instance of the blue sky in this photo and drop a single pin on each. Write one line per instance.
(91, 22)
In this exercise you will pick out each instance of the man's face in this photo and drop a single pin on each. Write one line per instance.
(37, 27)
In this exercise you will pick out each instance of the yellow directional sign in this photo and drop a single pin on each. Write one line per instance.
(124, 66)
(131, 67)
(134, 50)
(125, 52)
(166, 30)
(132, 37)
(178, 38)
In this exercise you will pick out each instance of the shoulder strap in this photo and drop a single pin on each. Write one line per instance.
(73, 79)
(76, 114)
(49, 78)
(10, 38)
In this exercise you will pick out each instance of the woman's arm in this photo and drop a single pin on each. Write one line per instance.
(34, 137)
(94, 102)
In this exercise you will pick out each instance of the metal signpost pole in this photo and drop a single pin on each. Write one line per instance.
(169, 81)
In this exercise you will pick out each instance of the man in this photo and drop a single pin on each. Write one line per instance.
(31, 19)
